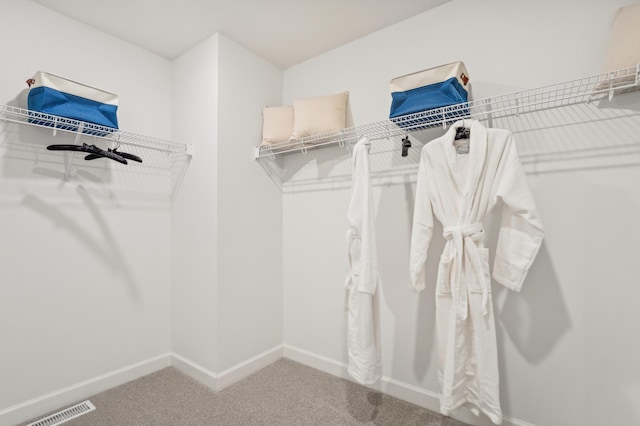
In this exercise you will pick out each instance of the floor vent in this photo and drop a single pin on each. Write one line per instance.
(65, 415)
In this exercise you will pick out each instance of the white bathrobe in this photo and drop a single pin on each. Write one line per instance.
(361, 282)
(460, 189)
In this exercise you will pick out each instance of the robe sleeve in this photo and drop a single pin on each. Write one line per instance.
(361, 215)
(422, 228)
(521, 230)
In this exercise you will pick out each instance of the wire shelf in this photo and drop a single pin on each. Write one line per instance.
(546, 97)
(23, 116)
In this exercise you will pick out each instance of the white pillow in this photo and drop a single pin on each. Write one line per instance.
(277, 124)
(322, 114)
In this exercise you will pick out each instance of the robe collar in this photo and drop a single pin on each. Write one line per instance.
(477, 155)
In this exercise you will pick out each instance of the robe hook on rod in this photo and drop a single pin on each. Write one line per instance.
(406, 144)
(462, 133)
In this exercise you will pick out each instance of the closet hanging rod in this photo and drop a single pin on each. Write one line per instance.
(500, 106)
(13, 114)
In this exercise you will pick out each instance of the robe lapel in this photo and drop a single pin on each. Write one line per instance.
(478, 154)
(450, 155)
(466, 187)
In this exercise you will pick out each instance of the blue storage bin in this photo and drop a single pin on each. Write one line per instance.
(430, 89)
(51, 94)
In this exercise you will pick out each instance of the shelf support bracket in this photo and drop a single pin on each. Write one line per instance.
(610, 87)
(79, 134)
(272, 156)
(67, 172)
(489, 114)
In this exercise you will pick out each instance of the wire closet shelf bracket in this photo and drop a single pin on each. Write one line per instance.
(511, 104)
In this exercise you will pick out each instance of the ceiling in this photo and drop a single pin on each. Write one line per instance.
(285, 32)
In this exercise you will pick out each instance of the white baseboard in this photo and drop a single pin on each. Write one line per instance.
(404, 391)
(43, 404)
(397, 389)
(55, 400)
(195, 371)
(316, 361)
(219, 381)
(248, 367)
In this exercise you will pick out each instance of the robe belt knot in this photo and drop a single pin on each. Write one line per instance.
(463, 238)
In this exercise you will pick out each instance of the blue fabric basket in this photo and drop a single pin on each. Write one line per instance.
(50, 94)
(427, 90)
(438, 95)
(51, 101)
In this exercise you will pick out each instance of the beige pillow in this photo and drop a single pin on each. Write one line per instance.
(322, 114)
(277, 124)
(624, 48)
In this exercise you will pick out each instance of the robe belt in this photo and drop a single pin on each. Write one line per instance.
(348, 279)
(464, 240)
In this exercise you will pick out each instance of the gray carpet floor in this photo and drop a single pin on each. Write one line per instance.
(283, 393)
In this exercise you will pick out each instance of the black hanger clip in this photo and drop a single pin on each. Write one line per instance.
(462, 133)
(406, 144)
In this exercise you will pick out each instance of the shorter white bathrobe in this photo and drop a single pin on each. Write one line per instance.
(363, 336)
(460, 189)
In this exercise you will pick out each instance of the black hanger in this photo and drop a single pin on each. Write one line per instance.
(406, 144)
(462, 133)
(115, 151)
(91, 149)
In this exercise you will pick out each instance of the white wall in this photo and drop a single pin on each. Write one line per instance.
(565, 345)
(227, 217)
(249, 210)
(84, 264)
(194, 219)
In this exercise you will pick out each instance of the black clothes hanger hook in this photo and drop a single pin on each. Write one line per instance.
(406, 144)
(462, 133)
